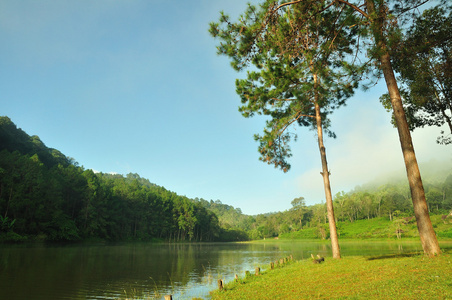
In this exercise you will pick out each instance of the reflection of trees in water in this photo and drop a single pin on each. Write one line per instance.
(56, 272)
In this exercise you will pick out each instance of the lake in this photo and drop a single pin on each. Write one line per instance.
(150, 271)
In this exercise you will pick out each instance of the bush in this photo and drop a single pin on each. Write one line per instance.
(12, 237)
(445, 234)
(307, 233)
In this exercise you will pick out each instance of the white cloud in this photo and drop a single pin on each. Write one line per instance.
(97, 172)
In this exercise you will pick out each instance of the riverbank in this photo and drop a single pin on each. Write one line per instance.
(380, 277)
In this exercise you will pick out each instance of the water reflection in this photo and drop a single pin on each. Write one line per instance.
(116, 271)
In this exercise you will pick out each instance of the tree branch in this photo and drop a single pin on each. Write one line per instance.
(414, 7)
(354, 7)
(288, 3)
(277, 99)
(298, 1)
(332, 3)
(298, 115)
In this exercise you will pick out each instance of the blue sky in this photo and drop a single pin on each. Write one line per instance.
(136, 86)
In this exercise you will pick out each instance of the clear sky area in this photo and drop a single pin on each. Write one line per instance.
(136, 86)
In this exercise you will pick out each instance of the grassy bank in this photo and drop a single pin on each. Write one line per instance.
(384, 277)
(381, 228)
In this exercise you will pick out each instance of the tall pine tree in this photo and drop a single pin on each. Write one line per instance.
(298, 75)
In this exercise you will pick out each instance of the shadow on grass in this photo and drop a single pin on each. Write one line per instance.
(408, 254)
(399, 255)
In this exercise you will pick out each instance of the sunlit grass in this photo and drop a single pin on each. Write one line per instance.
(388, 277)
(381, 228)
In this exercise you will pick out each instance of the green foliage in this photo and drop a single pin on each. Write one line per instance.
(11, 236)
(68, 203)
(298, 71)
(6, 224)
(446, 234)
(424, 61)
(43, 194)
(233, 235)
(15, 139)
(305, 234)
(371, 211)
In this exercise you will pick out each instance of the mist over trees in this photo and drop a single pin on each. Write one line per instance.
(385, 207)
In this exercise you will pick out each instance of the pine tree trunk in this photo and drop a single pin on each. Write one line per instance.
(424, 224)
(326, 183)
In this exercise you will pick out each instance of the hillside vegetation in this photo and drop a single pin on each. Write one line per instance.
(47, 196)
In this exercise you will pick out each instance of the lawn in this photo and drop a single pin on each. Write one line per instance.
(380, 277)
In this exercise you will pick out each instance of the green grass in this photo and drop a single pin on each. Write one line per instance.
(380, 228)
(384, 277)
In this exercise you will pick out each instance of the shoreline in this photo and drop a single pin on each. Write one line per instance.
(399, 276)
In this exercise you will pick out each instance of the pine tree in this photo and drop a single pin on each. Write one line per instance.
(423, 58)
(299, 75)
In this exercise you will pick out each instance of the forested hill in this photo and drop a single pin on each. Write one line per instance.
(15, 139)
(46, 195)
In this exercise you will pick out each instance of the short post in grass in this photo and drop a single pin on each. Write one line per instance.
(291, 257)
(220, 284)
(281, 261)
(247, 274)
(168, 297)
(272, 265)
(236, 278)
(258, 269)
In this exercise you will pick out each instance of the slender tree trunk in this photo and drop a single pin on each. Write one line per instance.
(86, 213)
(326, 183)
(9, 200)
(424, 224)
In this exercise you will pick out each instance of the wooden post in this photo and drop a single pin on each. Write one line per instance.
(236, 278)
(272, 265)
(291, 257)
(247, 274)
(168, 297)
(281, 261)
(258, 269)
(220, 284)
(317, 260)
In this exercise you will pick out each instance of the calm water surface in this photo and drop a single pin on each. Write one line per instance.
(150, 271)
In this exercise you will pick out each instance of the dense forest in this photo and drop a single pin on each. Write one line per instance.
(45, 195)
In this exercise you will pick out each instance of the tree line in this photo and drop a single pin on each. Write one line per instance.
(56, 199)
(48, 196)
(390, 202)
